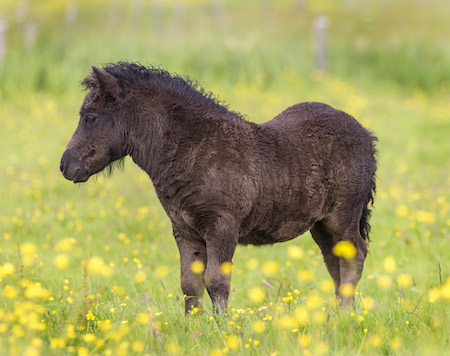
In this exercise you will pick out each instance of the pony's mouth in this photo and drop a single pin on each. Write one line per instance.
(72, 168)
(80, 177)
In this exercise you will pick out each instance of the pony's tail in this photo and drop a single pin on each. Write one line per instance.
(364, 226)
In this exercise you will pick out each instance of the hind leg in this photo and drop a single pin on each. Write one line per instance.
(344, 226)
(325, 242)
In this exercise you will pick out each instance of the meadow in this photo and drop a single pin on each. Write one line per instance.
(93, 269)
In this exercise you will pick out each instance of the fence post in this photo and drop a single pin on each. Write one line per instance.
(179, 11)
(21, 11)
(71, 13)
(320, 29)
(300, 5)
(137, 12)
(3, 28)
(157, 14)
(218, 8)
(30, 35)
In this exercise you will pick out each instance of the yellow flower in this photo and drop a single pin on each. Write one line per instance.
(89, 338)
(404, 280)
(322, 348)
(138, 346)
(226, 268)
(252, 264)
(139, 277)
(61, 261)
(90, 315)
(56, 343)
(97, 266)
(27, 249)
(344, 249)
(106, 325)
(295, 252)
(302, 316)
(32, 351)
(65, 245)
(217, 352)
(375, 341)
(396, 343)
(233, 342)
(389, 264)
(143, 318)
(319, 317)
(258, 326)
(305, 275)
(445, 290)
(28, 253)
(70, 332)
(426, 217)
(197, 267)
(256, 295)
(82, 351)
(270, 267)
(402, 210)
(384, 281)
(161, 271)
(286, 322)
(304, 340)
(173, 348)
(7, 269)
(69, 300)
(347, 290)
(36, 291)
(327, 286)
(17, 331)
(9, 292)
(433, 295)
(368, 303)
(314, 301)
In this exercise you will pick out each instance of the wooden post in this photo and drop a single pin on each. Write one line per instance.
(3, 28)
(300, 5)
(137, 12)
(21, 11)
(320, 29)
(71, 13)
(157, 14)
(218, 8)
(179, 12)
(30, 34)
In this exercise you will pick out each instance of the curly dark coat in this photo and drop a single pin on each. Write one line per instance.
(225, 181)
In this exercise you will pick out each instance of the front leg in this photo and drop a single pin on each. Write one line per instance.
(221, 240)
(191, 248)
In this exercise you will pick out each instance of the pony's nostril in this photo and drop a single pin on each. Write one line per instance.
(61, 166)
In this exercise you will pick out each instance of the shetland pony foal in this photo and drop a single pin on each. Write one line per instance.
(224, 181)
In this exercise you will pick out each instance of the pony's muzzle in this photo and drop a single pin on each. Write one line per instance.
(72, 167)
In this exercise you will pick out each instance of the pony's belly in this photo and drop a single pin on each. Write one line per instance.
(286, 232)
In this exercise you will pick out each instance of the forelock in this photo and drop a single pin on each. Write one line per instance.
(89, 83)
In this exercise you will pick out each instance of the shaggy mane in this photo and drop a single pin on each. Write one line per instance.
(153, 77)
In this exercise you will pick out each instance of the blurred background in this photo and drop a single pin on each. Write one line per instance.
(385, 62)
(49, 45)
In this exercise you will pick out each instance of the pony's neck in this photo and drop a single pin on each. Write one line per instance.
(147, 141)
(156, 133)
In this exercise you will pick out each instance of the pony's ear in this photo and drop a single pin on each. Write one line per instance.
(108, 84)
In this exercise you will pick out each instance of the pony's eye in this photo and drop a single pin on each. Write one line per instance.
(89, 119)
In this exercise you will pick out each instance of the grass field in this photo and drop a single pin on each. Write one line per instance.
(93, 269)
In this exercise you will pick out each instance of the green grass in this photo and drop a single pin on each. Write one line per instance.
(260, 61)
